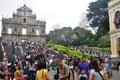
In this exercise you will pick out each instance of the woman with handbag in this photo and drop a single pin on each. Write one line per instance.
(95, 73)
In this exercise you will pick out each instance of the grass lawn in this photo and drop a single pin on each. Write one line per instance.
(66, 50)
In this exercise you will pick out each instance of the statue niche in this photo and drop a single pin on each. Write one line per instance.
(117, 19)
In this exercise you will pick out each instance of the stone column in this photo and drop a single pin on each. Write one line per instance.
(113, 6)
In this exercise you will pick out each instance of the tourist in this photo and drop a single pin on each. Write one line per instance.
(31, 69)
(76, 73)
(53, 64)
(26, 72)
(17, 73)
(110, 62)
(65, 60)
(95, 73)
(42, 72)
(84, 65)
(82, 75)
(71, 67)
(107, 68)
(102, 68)
(62, 70)
(76, 61)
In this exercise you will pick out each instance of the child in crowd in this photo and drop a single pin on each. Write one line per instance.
(82, 75)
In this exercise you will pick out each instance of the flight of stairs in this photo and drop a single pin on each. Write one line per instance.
(8, 50)
(19, 54)
(9, 53)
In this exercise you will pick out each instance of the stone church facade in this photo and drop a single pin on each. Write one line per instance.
(114, 20)
(23, 26)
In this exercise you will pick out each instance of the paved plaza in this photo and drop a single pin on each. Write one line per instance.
(116, 75)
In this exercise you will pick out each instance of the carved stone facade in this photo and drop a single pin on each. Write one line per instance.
(114, 19)
(23, 26)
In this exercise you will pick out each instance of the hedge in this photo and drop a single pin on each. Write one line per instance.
(108, 49)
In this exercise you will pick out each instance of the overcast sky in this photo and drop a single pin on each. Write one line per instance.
(63, 12)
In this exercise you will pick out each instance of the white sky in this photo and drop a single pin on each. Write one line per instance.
(63, 12)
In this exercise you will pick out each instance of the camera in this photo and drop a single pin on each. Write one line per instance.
(56, 76)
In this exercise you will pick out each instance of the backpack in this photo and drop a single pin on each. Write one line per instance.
(83, 78)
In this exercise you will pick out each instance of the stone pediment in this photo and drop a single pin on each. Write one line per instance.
(24, 8)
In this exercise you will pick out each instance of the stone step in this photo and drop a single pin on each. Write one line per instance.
(9, 53)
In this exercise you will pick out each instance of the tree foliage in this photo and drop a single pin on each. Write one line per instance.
(104, 41)
(97, 19)
(68, 36)
(98, 16)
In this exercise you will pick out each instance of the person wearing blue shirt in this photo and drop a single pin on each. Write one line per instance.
(84, 65)
(110, 64)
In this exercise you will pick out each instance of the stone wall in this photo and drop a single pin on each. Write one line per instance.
(114, 6)
(34, 30)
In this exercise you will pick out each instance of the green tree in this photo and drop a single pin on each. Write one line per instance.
(98, 16)
(69, 37)
(104, 41)
(83, 36)
(61, 36)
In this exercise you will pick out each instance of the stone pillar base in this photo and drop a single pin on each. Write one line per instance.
(114, 56)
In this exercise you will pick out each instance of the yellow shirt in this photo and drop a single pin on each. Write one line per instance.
(16, 74)
(40, 75)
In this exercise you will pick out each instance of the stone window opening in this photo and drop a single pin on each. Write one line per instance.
(43, 31)
(32, 29)
(37, 32)
(15, 29)
(24, 12)
(24, 31)
(9, 30)
(4, 29)
(24, 20)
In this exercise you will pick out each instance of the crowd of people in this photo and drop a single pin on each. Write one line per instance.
(39, 60)
(84, 69)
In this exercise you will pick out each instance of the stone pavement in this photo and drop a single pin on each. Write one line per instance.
(116, 75)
